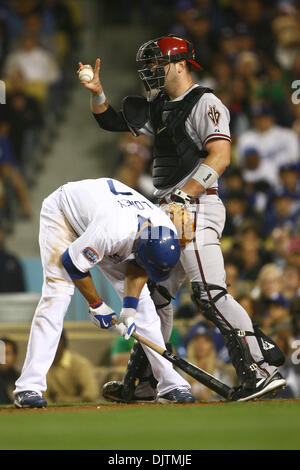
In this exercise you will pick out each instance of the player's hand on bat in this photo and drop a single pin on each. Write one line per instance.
(102, 315)
(94, 85)
(127, 316)
(183, 222)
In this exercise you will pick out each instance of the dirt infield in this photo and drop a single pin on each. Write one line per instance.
(107, 406)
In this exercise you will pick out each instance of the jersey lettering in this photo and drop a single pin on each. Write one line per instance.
(115, 192)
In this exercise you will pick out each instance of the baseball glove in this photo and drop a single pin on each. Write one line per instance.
(183, 222)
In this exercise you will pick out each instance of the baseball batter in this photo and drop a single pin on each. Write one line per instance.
(102, 223)
(191, 150)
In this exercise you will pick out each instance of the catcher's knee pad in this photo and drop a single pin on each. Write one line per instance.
(135, 371)
(202, 298)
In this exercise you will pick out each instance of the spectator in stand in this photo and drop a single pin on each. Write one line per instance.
(249, 251)
(11, 173)
(71, 378)
(232, 180)
(8, 371)
(269, 285)
(120, 353)
(291, 282)
(294, 249)
(25, 118)
(280, 239)
(227, 45)
(277, 315)
(285, 27)
(272, 146)
(237, 210)
(201, 351)
(135, 156)
(12, 277)
(3, 43)
(282, 213)
(37, 65)
(289, 176)
(232, 270)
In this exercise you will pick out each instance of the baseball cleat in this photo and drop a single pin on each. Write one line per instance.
(29, 399)
(114, 391)
(270, 385)
(177, 395)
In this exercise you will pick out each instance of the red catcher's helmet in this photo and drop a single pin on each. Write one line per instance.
(176, 49)
(159, 52)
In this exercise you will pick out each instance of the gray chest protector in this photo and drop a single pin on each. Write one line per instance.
(175, 154)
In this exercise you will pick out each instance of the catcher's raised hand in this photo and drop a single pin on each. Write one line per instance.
(94, 85)
(182, 219)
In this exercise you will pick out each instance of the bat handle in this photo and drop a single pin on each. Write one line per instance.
(143, 340)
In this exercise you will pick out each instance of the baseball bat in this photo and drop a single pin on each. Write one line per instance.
(198, 374)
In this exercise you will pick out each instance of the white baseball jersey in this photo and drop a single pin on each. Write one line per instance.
(104, 214)
(276, 146)
(209, 119)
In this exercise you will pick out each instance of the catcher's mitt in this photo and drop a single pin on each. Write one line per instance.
(183, 222)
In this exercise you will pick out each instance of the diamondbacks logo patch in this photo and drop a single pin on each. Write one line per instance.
(213, 114)
(91, 255)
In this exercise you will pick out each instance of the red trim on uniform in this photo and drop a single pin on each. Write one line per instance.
(217, 135)
(209, 295)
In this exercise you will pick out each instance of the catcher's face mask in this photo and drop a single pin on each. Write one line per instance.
(151, 66)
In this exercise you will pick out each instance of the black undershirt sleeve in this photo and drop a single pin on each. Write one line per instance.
(111, 120)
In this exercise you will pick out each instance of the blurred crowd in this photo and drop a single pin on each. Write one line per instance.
(38, 40)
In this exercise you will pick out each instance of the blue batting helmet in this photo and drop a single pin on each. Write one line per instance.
(158, 251)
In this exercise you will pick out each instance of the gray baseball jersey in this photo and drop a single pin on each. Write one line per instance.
(209, 119)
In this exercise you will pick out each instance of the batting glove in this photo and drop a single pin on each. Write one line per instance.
(127, 315)
(101, 314)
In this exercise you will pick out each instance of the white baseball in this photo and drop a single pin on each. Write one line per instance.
(86, 75)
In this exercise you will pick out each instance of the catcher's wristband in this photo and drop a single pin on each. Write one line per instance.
(205, 175)
(98, 99)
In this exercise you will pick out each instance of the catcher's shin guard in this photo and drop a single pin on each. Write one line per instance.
(235, 340)
(135, 373)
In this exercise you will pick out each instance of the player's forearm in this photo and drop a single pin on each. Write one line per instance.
(87, 288)
(135, 280)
